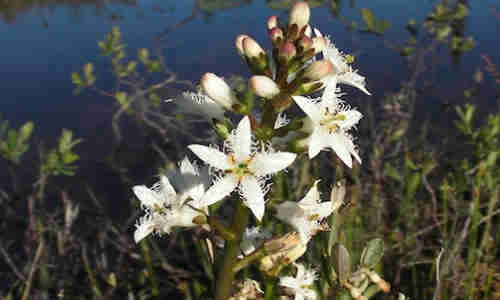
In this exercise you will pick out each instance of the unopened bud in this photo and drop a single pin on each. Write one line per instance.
(218, 90)
(239, 44)
(319, 44)
(252, 48)
(318, 69)
(306, 43)
(272, 22)
(264, 86)
(300, 14)
(275, 34)
(287, 51)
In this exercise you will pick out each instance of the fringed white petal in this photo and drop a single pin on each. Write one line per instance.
(352, 118)
(144, 227)
(310, 108)
(317, 141)
(147, 197)
(211, 156)
(242, 140)
(312, 198)
(338, 143)
(269, 163)
(220, 189)
(251, 190)
(352, 78)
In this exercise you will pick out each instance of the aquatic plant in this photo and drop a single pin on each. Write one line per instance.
(301, 63)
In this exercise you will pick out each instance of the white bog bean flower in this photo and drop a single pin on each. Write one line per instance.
(166, 206)
(302, 285)
(344, 73)
(306, 215)
(331, 120)
(244, 167)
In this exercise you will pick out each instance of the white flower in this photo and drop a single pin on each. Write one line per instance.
(244, 168)
(344, 73)
(199, 104)
(166, 206)
(306, 215)
(301, 285)
(331, 119)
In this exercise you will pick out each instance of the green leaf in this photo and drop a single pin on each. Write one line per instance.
(443, 33)
(492, 158)
(412, 185)
(76, 79)
(392, 172)
(369, 18)
(25, 131)
(372, 253)
(461, 12)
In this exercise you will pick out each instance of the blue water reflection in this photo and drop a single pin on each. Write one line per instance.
(41, 46)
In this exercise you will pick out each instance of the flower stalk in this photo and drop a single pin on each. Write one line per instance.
(226, 274)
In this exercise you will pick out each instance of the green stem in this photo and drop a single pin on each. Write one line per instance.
(225, 274)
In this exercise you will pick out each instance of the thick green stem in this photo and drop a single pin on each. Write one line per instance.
(225, 273)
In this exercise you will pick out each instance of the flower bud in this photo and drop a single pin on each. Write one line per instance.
(264, 86)
(272, 22)
(218, 90)
(319, 44)
(252, 48)
(300, 14)
(318, 69)
(239, 44)
(287, 51)
(306, 43)
(275, 34)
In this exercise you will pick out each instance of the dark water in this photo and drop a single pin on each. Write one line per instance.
(41, 43)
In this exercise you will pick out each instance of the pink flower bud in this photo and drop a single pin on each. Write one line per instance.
(252, 48)
(264, 86)
(287, 51)
(300, 14)
(218, 90)
(319, 44)
(306, 43)
(272, 22)
(239, 43)
(275, 34)
(319, 69)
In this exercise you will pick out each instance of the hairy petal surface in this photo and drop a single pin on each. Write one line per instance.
(270, 163)
(338, 143)
(251, 190)
(310, 108)
(220, 189)
(242, 140)
(211, 156)
(318, 141)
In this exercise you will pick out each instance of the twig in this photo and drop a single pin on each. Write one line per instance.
(34, 266)
(11, 264)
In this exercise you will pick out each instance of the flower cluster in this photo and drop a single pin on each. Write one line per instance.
(263, 142)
